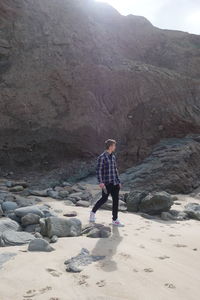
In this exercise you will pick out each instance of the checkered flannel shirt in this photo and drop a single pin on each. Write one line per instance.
(106, 169)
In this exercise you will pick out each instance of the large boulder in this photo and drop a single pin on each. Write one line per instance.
(9, 206)
(151, 203)
(39, 244)
(8, 224)
(33, 209)
(30, 219)
(61, 227)
(14, 238)
(172, 166)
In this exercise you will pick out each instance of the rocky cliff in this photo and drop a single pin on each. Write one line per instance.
(75, 72)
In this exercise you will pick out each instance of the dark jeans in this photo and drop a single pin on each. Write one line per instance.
(114, 191)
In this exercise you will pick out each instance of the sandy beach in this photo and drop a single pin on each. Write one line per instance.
(144, 260)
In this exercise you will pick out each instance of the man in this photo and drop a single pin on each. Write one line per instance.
(109, 182)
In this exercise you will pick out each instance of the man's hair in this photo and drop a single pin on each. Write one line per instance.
(109, 142)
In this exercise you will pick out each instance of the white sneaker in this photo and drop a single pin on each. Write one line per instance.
(117, 223)
(92, 217)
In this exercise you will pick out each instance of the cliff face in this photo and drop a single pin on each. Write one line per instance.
(75, 72)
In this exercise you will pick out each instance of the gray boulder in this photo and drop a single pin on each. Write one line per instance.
(30, 219)
(41, 193)
(22, 211)
(82, 203)
(84, 258)
(61, 227)
(9, 206)
(8, 224)
(95, 230)
(39, 244)
(156, 202)
(134, 198)
(13, 238)
(193, 210)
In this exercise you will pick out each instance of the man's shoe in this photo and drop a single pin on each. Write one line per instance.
(92, 217)
(117, 223)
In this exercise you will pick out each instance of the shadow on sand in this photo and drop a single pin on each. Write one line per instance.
(108, 247)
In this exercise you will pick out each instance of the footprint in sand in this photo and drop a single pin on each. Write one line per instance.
(148, 270)
(180, 245)
(157, 240)
(81, 279)
(173, 235)
(101, 283)
(124, 255)
(54, 298)
(135, 270)
(170, 285)
(142, 246)
(163, 257)
(53, 272)
(33, 293)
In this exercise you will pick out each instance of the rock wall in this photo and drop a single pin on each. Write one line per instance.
(75, 72)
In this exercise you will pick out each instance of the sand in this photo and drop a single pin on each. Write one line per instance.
(145, 260)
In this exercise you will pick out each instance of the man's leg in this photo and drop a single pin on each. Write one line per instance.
(115, 198)
(102, 200)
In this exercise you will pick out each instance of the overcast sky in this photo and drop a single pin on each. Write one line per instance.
(167, 14)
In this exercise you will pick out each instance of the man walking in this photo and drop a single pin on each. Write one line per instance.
(109, 182)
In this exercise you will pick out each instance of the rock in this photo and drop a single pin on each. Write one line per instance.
(65, 183)
(22, 211)
(32, 228)
(1, 211)
(25, 201)
(30, 219)
(14, 238)
(69, 203)
(193, 210)
(70, 214)
(166, 216)
(156, 202)
(22, 183)
(8, 224)
(53, 194)
(63, 193)
(95, 230)
(39, 244)
(172, 166)
(82, 259)
(61, 227)
(41, 193)
(82, 203)
(9, 206)
(13, 216)
(17, 188)
(54, 239)
(76, 195)
(147, 216)
(115, 45)
(134, 198)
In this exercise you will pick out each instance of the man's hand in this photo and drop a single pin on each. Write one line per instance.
(102, 185)
(120, 185)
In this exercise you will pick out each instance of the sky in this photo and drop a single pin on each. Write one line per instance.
(166, 14)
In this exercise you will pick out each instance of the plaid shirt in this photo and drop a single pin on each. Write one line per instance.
(106, 169)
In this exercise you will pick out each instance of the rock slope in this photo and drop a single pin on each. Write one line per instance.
(75, 72)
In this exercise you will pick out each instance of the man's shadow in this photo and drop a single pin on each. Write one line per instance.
(108, 247)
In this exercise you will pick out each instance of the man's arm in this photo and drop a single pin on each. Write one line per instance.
(99, 169)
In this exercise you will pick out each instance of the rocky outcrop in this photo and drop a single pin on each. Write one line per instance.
(173, 166)
(73, 73)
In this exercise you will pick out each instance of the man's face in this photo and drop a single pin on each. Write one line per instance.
(113, 147)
